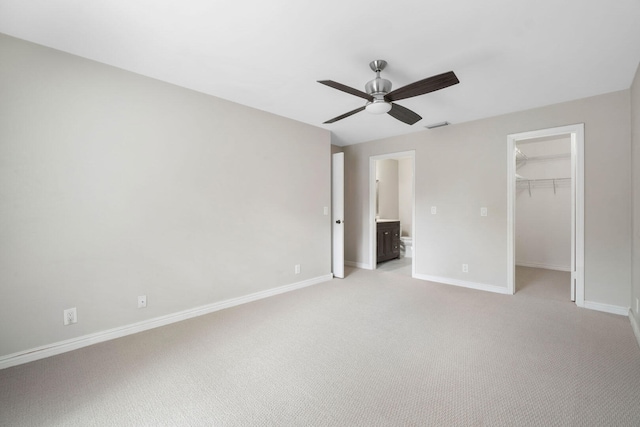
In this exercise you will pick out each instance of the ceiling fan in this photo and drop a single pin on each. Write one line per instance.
(381, 99)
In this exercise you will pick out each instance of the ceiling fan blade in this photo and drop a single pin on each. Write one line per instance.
(430, 84)
(347, 89)
(403, 114)
(345, 115)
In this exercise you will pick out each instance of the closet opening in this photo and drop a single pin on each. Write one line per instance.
(543, 216)
(546, 213)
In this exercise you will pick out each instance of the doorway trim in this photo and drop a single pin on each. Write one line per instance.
(372, 205)
(576, 133)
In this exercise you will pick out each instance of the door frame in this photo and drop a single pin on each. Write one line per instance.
(576, 133)
(372, 205)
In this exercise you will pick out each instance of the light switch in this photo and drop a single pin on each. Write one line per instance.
(326, 210)
(483, 211)
(433, 210)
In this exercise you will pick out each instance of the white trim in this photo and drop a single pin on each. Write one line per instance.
(86, 340)
(511, 214)
(635, 326)
(579, 226)
(607, 308)
(463, 283)
(577, 166)
(544, 266)
(358, 265)
(372, 203)
(337, 215)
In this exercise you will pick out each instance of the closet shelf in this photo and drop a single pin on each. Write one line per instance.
(548, 157)
(522, 159)
(542, 183)
(520, 156)
(520, 178)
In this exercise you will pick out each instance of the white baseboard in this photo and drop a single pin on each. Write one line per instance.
(607, 308)
(463, 283)
(635, 326)
(544, 266)
(86, 340)
(358, 265)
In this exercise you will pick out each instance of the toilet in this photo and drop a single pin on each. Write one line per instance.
(407, 245)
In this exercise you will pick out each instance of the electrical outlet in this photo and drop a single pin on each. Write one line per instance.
(483, 211)
(465, 268)
(142, 301)
(70, 316)
(297, 269)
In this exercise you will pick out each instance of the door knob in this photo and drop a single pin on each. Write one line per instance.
(338, 222)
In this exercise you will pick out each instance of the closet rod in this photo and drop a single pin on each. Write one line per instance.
(542, 179)
(555, 182)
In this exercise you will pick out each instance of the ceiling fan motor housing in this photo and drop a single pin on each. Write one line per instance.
(378, 86)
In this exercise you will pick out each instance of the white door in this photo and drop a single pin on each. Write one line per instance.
(337, 214)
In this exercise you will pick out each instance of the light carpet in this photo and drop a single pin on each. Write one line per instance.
(373, 349)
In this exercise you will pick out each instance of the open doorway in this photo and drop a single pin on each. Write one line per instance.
(392, 213)
(543, 217)
(546, 210)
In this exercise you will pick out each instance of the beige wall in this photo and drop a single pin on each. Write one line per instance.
(635, 132)
(387, 177)
(460, 168)
(114, 185)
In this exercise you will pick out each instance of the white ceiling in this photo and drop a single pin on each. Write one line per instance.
(509, 55)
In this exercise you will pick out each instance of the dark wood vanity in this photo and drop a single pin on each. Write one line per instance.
(388, 240)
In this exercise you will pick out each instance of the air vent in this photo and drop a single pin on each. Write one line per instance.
(437, 125)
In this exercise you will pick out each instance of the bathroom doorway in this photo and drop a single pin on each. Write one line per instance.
(392, 212)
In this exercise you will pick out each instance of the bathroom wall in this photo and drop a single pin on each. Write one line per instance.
(387, 177)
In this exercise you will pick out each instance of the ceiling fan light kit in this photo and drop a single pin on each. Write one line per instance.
(380, 98)
(378, 107)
